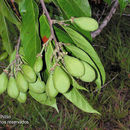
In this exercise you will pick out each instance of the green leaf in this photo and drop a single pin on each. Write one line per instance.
(48, 56)
(77, 52)
(78, 100)
(8, 13)
(76, 85)
(82, 43)
(62, 35)
(29, 30)
(4, 32)
(44, 99)
(44, 27)
(69, 7)
(51, 102)
(123, 4)
(12, 56)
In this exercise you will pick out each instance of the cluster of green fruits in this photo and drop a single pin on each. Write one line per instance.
(59, 81)
(23, 80)
(28, 79)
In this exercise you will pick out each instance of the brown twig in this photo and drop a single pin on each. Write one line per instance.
(49, 20)
(106, 20)
(17, 48)
(107, 83)
(17, 56)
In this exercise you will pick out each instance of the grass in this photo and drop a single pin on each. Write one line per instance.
(113, 48)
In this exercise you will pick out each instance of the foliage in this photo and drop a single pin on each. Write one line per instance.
(78, 39)
(109, 101)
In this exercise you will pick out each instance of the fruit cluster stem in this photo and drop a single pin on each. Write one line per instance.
(16, 58)
(17, 48)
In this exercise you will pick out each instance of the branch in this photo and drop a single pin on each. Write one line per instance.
(17, 48)
(106, 20)
(49, 20)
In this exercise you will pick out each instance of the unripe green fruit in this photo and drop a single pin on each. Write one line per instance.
(61, 80)
(3, 82)
(86, 23)
(22, 97)
(37, 87)
(38, 65)
(21, 82)
(74, 66)
(89, 75)
(3, 56)
(40, 97)
(50, 89)
(29, 73)
(12, 89)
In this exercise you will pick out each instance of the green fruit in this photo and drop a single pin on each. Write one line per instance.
(50, 89)
(22, 97)
(3, 82)
(28, 73)
(74, 66)
(37, 87)
(86, 23)
(40, 97)
(3, 56)
(38, 64)
(89, 75)
(21, 82)
(61, 80)
(12, 88)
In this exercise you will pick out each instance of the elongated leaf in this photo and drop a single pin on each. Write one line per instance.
(78, 100)
(123, 4)
(48, 56)
(29, 30)
(76, 85)
(62, 35)
(51, 102)
(44, 27)
(8, 13)
(77, 52)
(82, 43)
(5, 34)
(75, 8)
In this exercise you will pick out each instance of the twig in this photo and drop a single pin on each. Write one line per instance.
(49, 20)
(17, 48)
(123, 14)
(106, 20)
(107, 83)
(17, 56)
